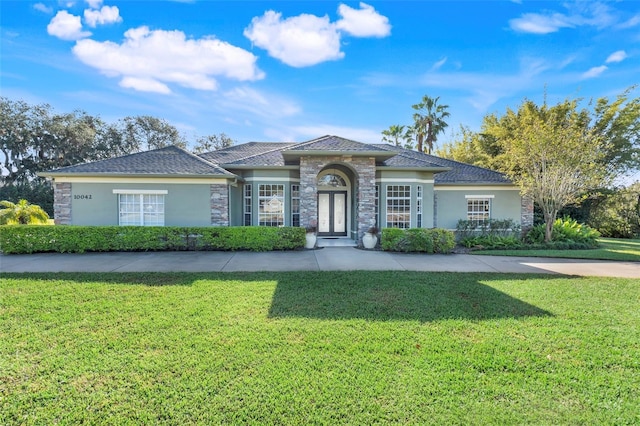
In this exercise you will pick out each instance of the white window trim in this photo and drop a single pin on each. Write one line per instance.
(141, 191)
(387, 198)
(479, 197)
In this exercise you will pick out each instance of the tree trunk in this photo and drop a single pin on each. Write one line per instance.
(549, 219)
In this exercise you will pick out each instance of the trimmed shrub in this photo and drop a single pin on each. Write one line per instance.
(79, 239)
(417, 240)
(492, 242)
(493, 227)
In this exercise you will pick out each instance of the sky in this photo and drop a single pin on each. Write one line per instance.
(297, 70)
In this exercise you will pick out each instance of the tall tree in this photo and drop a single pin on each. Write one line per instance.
(398, 135)
(551, 153)
(429, 122)
(212, 143)
(145, 132)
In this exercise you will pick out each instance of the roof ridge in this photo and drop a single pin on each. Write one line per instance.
(197, 157)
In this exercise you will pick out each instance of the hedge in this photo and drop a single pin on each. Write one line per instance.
(418, 240)
(80, 239)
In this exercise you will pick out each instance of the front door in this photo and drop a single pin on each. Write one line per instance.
(332, 213)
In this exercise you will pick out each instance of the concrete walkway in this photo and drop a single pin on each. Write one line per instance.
(327, 259)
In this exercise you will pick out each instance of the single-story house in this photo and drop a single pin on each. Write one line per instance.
(341, 186)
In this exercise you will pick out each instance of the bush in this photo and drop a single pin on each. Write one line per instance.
(493, 227)
(492, 242)
(565, 230)
(417, 240)
(79, 239)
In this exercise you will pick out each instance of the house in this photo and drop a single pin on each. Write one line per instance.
(342, 186)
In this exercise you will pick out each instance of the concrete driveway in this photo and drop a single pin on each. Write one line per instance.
(327, 259)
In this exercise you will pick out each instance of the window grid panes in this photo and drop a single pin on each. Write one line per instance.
(399, 206)
(295, 205)
(141, 209)
(247, 205)
(271, 205)
(478, 210)
(419, 206)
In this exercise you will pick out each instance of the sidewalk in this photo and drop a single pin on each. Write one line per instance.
(327, 259)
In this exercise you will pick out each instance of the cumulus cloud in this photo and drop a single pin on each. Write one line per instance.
(104, 16)
(594, 72)
(299, 41)
(305, 40)
(66, 26)
(363, 22)
(617, 56)
(40, 7)
(149, 60)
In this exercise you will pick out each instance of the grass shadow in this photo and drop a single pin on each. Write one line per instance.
(423, 297)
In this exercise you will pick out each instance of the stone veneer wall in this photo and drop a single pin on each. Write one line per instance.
(526, 218)
(62, 203)
(220, 204)
(365, 168)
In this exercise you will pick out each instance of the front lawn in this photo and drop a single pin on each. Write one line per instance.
(318, 348)
(610, 249)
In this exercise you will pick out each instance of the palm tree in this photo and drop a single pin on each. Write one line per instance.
(22, 213)
(429, 122)
(395, 134)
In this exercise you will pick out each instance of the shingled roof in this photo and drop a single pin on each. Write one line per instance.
(456, 172)
(168, 161)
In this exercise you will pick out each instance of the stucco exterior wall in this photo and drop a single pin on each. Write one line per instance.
(413, 179)
(452, 203)
(96, 204)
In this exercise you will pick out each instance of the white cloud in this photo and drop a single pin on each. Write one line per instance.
(580, 13)
(305, 40)
(260, 104)
(617, 56)
(594, 72)
(439, 64)
(40, 7)
(363, 22)
(66, 26)
(148, 60)
(540, 24)
(299, 41)
(94, 4)
(104, 16)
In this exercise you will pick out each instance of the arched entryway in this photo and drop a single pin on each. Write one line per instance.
(334, 185)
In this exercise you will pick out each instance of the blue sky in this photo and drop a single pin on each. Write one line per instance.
(295, 70)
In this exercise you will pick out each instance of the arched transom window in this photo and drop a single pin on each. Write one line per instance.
(331, 179)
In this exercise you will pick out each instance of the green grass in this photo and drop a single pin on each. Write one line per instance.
(318, 348)
(610, 249)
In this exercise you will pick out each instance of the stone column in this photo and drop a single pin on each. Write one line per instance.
(366, 208)
(526, 213)
(220, 204)
(309, 169)
(62, 203)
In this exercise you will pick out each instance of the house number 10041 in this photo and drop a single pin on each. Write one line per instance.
(82, 197)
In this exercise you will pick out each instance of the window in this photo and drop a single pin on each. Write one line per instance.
(140, 209)
(478, 209)
(398, 206)
(247, 205)
(332, 179)
(271, 205)
(295, 205)
(377, 206)
(419, 206)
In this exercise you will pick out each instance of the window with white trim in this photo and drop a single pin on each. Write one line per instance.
(271, 205)
(419, 206)
(295, 205)
(140, 209)
(478, 209)
(248, 208)
(399, 206)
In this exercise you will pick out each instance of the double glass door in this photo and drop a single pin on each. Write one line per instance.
(332, 213)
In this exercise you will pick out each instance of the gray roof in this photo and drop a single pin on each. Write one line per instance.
(458, 173)
(174, 161)
(170, 160)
